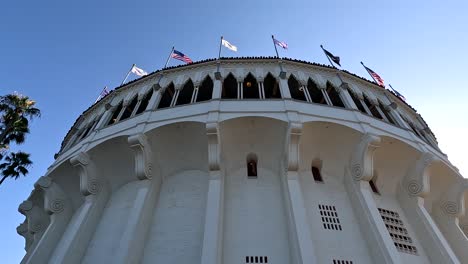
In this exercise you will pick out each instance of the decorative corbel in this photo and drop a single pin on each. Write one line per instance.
(89, 183)
(36, 218)
(294, 134)
(55, 199)
(453, 202)
(212, 132)
(416, 181)
(23, 231)
(143, 156)
(361, 164)
(344, 86)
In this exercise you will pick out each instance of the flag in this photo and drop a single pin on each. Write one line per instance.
(103, 93)
(280, 43)
(228, 45)
(376, 77)
(334, 58)
(180, 56)
(399, 95)
(138, 71)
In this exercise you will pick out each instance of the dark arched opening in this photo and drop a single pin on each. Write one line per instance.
(295, 90)
(115, 114)
(271, 87)
(357, 102)
(166, 98)
(315, 93)
(334, 95)
(372, 108)
(129, 109)
(205, 91)
(250, 87)
(386, 113)
(229, 87)
(144, 102)
(185, 95)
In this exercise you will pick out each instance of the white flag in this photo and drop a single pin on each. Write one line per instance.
(138, 71)
(228, 45)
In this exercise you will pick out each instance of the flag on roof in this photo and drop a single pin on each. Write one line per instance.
(103, 93)
(375, 76)
(180, 56)
(282, 44)
(138, 71)
(228, 45)
(398, 94)
(332, 57)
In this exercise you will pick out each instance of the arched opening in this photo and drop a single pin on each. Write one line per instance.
(250, 87)
(185, 95)
(316, 167)
(252, 165)
(166, 98)
(229, 87)
(129, 109)
(315, 93)
(334, 95)
(205, 91)
(372, 108)
(356, 101)
(115, 114)
(144, 102)
(373, 183)
(88, 129)
(295, 89)
(386, 113)
(271, 87)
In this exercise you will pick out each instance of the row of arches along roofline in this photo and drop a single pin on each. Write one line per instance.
(308, 88)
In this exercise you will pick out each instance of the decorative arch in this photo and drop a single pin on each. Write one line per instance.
(166, 98)
(295, 89)
(356, 101)
(115, 114)
(315, 92)
(205, 91)
(372, 108)
(229, 90)
(386, 112)
(334, 95)
(271, 87)
(250, 87)
(144, 102)
(129, 109)
(186, 93)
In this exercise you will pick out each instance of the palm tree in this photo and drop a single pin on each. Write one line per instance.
(16, 110)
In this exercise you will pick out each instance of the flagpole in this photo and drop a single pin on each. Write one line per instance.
(100, 95)
(128, 74)
(168, 58)
(327, 57)
(274, 45)
(220, 43)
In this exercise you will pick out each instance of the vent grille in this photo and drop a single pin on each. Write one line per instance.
(339, 261)
(329, 217)
(256, 259)
(397, 231)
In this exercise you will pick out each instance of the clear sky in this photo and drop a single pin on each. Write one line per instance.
(62, 53)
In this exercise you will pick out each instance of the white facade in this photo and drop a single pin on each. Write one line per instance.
(158, 172)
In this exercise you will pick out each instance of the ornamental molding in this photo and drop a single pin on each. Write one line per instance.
(452, 202)
(55, 199)
(143, 156)
(89, 183)
(416, 180)
(36, 218)
(361, 164)
(294, 136)
(214, 150)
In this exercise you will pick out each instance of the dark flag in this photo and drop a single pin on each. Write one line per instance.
(398, 94)
(334, 58)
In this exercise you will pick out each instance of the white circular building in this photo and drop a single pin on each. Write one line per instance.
(248, 160)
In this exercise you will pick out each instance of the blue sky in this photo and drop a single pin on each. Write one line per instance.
(62, 53)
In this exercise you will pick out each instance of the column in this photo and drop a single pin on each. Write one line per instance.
(194, 94)
(346, 97)
(217, 87)
(303, 88)
(325, 95)
(284, 87)
(156, 97)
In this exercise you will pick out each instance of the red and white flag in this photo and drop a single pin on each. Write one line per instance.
(138, 71)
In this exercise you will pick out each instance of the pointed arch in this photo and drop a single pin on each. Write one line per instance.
(115, 114)
(315, 93)
(356, 101)
(229, 87)
(334, 95)
(295, 89)
(167, 96)
(205, 91)
(250, 87)
(185, 94)
(271, 87)
(144, 102)
(129, 109)
(371, 107)
(386, 112)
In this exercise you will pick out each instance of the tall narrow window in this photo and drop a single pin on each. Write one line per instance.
(205, 91)
(386, 112)
(315, 92)
(115, 114)
(166, 98)
(129, 109)
(372, 108)
(334, 95)
(229, 87)
(250, 87)
(356, 101)
(252, 165)
(271, 87)
(185, 95)
(294, 88)
(144, 102)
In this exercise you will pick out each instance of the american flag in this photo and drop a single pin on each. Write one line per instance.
(282, 44)
(398, 94)
(180, 56)
(376, 77)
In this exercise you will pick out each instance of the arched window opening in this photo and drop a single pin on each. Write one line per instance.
(166, 98)
(252, 165)
(415, 130)
(386, 113)
(229, 87)
(205, 91)
(373, 184)
(185, 95)
(115, 114)
(271, 87)
(372, 108)
(88, 129)
(250, 87)
(316, 167)
(129, 109)
(144, 102)
(315, 92)
(295, 90)
(334, 95)
(356, 101)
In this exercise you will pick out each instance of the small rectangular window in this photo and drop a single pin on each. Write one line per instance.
(316, 174)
